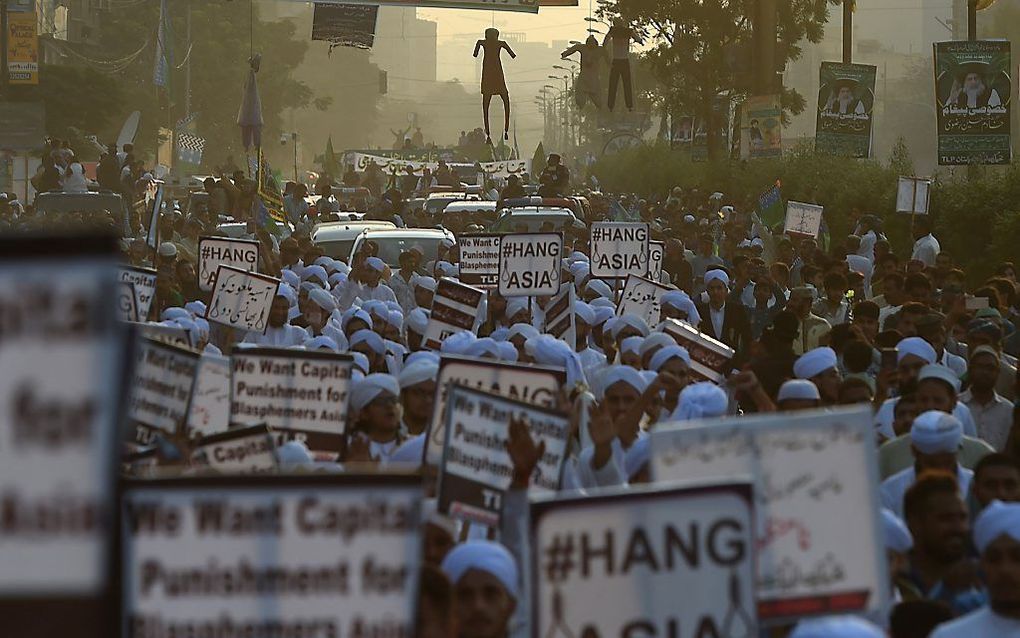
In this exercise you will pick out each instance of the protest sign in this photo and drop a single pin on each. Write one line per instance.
(803, 219)
(127, 302)
(349, 25)
(535, 384)
(529, 264)
(973, 91)
(152, 233)
(846, 99)
(242, 254)
(710, 359)
(360, 161)
(144, 282)
(455, 307)
(560, 320)
(479, 259)
(811, 470)
(761, 124)
(209, 411)
(322, 555)
(912, 195)
(618, 249)
(172, 334)
(656, 250)
(247, 450)
(300, 394)
(62, 355)
(242, 299)
(160, 391)
(661, 561)
(641, 297)
(476, 470)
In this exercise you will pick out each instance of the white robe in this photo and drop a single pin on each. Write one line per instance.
(886, 415)
(353, 290)
(283, 337)
(979, 624)
(894, 487)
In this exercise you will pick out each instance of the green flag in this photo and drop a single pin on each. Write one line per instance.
(537, 162)
(770, 206)
(329, 164)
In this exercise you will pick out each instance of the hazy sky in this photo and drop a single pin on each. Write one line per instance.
(551, 23)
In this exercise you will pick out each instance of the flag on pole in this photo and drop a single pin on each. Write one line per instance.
(190, 148)
(164, 49)
(268, 193)
(770, 205)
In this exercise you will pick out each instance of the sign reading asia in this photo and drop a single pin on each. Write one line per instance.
(316, 555)
(619, 249)
(676, 562)
(302, 395)
(529, 264)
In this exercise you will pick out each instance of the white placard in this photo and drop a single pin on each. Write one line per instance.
(455, 307)
(479, 259)
(127, 301)
(209, 412)
(618, 249)
(242, 254)
(711, 360)
(239, 451)
(812, 470)
(477, 469)
(299, 394)
(242, 299)
(61, 354)
(803, 219)
(164, 376)
(912, 195)
(275, 556)
(560, 320)
(674, 561)
(656, 251)
(173, 334)
(529, 264)
(642, 297)
(503, 169)
(144, 282)
(534, 384)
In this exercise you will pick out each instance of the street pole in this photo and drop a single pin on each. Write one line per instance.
(765, 47)
(293, 139)
(848, 31)
(187, 69)
(972, 20)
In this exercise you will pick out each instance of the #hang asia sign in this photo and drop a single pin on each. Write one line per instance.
(213, 252)
(973, 93)
(619, 249)
(846, 101)
(529, 264)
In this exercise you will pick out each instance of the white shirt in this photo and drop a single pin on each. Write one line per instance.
(353, 290)
(957, 364)
(282, 337)
(404, 290)
(926, 249)
(717, 317)
(887, 414)
(994, 420)
(894, 487)
(867, 247)
(979, 624)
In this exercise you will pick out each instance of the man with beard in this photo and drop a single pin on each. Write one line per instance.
(280, 333)
(970, 91)
(842, 101)
(485, 584)
(997, 537)
(820, 367)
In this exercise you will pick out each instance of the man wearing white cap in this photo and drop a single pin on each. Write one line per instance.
(376, 413)
(935, 440)
(370, 286)
(820, 367)
(726, 322)
(997, 538)
(417, 322)
(280, 333)
(584, 318)
(798, 394)
(424, 289)
(837, 627)
(417, 394)
(486, 588)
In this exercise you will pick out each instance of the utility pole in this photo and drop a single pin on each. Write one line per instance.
(765, 26)
(972, 20)
(848, 31)
(187, 69)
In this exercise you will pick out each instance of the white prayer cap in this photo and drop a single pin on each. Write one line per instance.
(897, 536)
(316, 272)
(632, 345)
(485, 346)
(395, 318)
(675, 299)
(584, 312)
(599, 287)
(337, 279)
(500, 334)
(446, 269)
(167, 249)
(353, 313)
(577, 256)
(579, 270)
(717, 274)
(632, 321)
(196, 308)
(837, 627)
(421, 356)
(360, 362)
(189, 327)
(458, 342)
(656, 340)
(554, 352)
(369, 338)
(417, 321)
(515, 305)
(428, 283)
(324, 261)
(322, 299)
(203, 326)
(364, 391)
(487, 556)
(998, 519)
(935, 432)
(941, 373)
(293, 455)
(637, 456)
(174, 313)
(507, 351)
(701, 400)
(602, 314)
(798, 389)
(814, 362)
(341, 267)
(322, 341)
(666, 353)
(417, 372)
(917, 347)
(621, 374)
(525, 330)
(287, 292)
(375, 264)
(290, 277)
(410, 452)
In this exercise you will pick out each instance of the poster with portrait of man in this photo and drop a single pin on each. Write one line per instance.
(846, 99)
(973, 90)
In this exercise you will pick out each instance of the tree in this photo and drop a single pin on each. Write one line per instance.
(79, 101)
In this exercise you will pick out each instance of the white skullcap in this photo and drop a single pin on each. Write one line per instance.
(368, 389)
(458, 342)
(584, 312)
(341, 267)
(320, 342)
(578, 256)
(167, 249)
(287, 292)
(375, 264)
(485, 346)
(629, 320)
(395, 318)
(666, 353)
(337, 279)
(322, 299)
(417, 372)
(410, 452)
(293, 455)
(814, 362)
(369, 338)
(525, 330)
(196, 308)
(554, 352)
(174, 313)
(579, 270)
(487, 556)
(599, 287)
(656, 340)
(290, 277)
(700, 400)
(917, 347)
(602, 314)
(428, 283)
(717, 274)
(323, 261)
(632, 345)
(353, 313)
(798, 389)
(602, 302)
(998, 519)
(317, 272)
(515, 305)
(446, 269)
(941, 373)
(897, 536)
(837, 627)
(935, 432)
(421, 355)
(417, 321)
(621, 374)
(360, 362)
(637, 456)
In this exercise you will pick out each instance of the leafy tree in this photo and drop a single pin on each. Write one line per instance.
(79, 101)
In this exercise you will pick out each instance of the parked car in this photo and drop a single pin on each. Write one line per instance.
(392, 242)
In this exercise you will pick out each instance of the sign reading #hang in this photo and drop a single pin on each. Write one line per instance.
(529, 264)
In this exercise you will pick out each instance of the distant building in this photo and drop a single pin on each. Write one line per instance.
(405, 47)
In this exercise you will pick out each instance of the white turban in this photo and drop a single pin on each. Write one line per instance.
(551, 351)
(701, 400)
(681, 301)
(584, 312)
(395, 318)
(175, 313)
(525, 330)
(293, 455)
(814, 362)
(632, 345)
(837, 627)
(629, 320)
(599, 287)
(602, 302)
(322, 299)
(717, 274)
(354, 313)
(515, 305)
(360, 362)
(656, 340)
(621, 374)
(602, 314)
(375, 264)
(446, 269)
(337, 279)
(420, 356)
(287, 292)
(917, 347)
(196, 308)
(370, 338)
(364, 391)
(486, 556)
(324, 261)
(290, 277)
(458, 342)
(428, 283)
(666, 353)
(317, 272)
(417, 321)
(940, 373)
(579, 270)
(998, 519)
(482, 347)
(320, 342)
(417, 372)
(935, 432)
(897, 536)
(798, 389)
